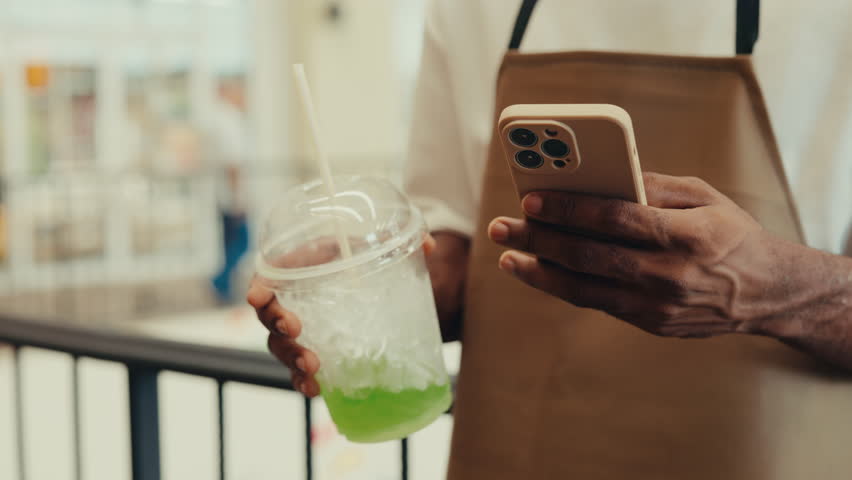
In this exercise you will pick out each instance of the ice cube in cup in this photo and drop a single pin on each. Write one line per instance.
(371, 317)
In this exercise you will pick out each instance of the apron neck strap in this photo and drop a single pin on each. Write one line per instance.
(521, 23)
(748, 21)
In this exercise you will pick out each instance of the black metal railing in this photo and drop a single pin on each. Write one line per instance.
(145, 357)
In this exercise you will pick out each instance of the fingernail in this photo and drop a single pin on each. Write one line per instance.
(499, 231)
(533, 204)
(305, 388)
(508, 265)
(281, 326)
(300, 364)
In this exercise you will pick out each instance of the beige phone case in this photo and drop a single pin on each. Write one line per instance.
(601, 158)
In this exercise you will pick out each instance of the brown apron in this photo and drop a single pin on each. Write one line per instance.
(551, 391)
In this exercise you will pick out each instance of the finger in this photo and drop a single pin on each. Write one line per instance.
(667, 191)
(428, 244)
(279, 320)
(288, 352)
(604, 217)
(307, 386)
(304, 384)
(310, 387)
(299, 359)
(581, 290)
(284, 349)
(258, 295)
(576, 253)
(275, 318)
(310, 363)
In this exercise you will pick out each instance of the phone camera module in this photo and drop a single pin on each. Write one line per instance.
(523, 137)
(529, 159)
(555, 148)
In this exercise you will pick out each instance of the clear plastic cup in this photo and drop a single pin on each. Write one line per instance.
(371, 317)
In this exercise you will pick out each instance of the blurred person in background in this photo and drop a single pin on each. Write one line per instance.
(548, 389)
(228, 147)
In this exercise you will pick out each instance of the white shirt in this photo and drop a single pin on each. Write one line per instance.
(803, 60)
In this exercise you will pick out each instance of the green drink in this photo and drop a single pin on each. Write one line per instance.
(369, 316)
(378, 414)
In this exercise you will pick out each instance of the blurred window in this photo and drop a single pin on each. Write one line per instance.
(61, 116)
(108, 146)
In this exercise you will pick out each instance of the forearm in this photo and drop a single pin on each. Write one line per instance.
(813, 305)
(448, 271)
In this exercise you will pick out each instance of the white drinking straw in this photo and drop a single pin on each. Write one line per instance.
(322, 159)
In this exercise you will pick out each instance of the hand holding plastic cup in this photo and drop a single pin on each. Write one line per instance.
(369, 315)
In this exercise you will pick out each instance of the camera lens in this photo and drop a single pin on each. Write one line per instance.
(528, 159)
(554, 148)
(523, 137)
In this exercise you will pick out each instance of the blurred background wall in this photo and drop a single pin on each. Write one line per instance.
(117, 118)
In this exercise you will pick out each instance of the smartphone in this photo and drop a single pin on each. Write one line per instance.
(585, 148)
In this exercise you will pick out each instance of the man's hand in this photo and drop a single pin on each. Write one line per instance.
(690, 264)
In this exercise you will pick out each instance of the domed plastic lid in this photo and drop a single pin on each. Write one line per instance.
(299, 240)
